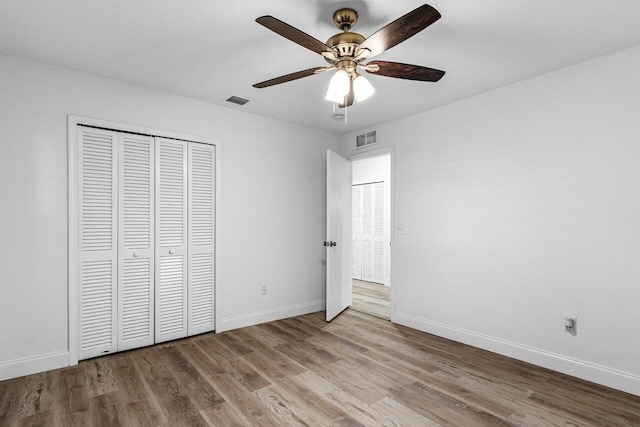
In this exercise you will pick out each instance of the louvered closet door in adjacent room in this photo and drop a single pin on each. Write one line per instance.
(367, 232)
(98, 212)
(171, 240)
(356, 224)
(378, 233)
(201, 254)
(136, 236)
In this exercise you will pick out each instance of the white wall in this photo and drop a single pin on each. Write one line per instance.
(377, 169)
(371, 169)
(271, 212)
(521, 206)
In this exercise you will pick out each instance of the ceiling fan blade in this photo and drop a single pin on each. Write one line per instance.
(400, 30)
(404, 71)
(290, 77)
(293, 34)
(349, 98)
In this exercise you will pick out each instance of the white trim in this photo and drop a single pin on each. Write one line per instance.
(603, 375)
(32, 365)
(73, 122)
(376, 153)
(73, 245)
(250, 319)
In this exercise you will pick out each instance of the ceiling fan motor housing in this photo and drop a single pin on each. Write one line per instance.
(346, 43)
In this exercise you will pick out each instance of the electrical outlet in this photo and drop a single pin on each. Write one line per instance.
(570, 324)
(264, 289)
(401, 230)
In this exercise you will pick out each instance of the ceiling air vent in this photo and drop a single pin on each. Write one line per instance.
(237, 100)
(366, 139)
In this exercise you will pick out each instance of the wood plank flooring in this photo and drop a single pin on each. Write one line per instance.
(358, 370)
(371, 298)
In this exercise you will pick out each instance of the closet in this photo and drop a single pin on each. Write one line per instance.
(146, 239)
(368, 233)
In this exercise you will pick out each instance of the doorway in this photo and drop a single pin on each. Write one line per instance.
(371, 234)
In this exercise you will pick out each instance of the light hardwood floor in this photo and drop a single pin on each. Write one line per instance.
(371, 298)
(358, 370)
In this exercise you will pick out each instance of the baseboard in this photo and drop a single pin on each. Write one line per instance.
(250, 319)
(33, 365)
(613, 378)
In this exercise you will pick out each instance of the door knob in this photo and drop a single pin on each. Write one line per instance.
(330, 243)
(136, 254)
(172, 251)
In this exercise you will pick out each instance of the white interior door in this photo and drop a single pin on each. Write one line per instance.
(171, 240)
(338, 241)
(135, 237)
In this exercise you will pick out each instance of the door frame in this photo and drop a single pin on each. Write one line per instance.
(73, 243)
(376, 153)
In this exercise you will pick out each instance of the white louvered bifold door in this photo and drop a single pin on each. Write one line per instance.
(201, 208)
(367, 232)
(356, 224)
(171, 236)
(373, 232)
(98, 241)
(136, 236)
(378, 232)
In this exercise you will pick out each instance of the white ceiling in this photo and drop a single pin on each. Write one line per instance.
(212, 49)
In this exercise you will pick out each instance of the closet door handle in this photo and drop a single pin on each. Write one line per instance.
(136, 254)
(172, 251)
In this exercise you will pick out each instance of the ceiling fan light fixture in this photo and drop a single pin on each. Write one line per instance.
(362, 88)
(338, 87)
(337, 99)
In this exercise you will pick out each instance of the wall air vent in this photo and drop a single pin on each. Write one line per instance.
(366, 139)
(237, 100)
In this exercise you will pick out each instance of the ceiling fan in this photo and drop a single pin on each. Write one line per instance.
(347, 51)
